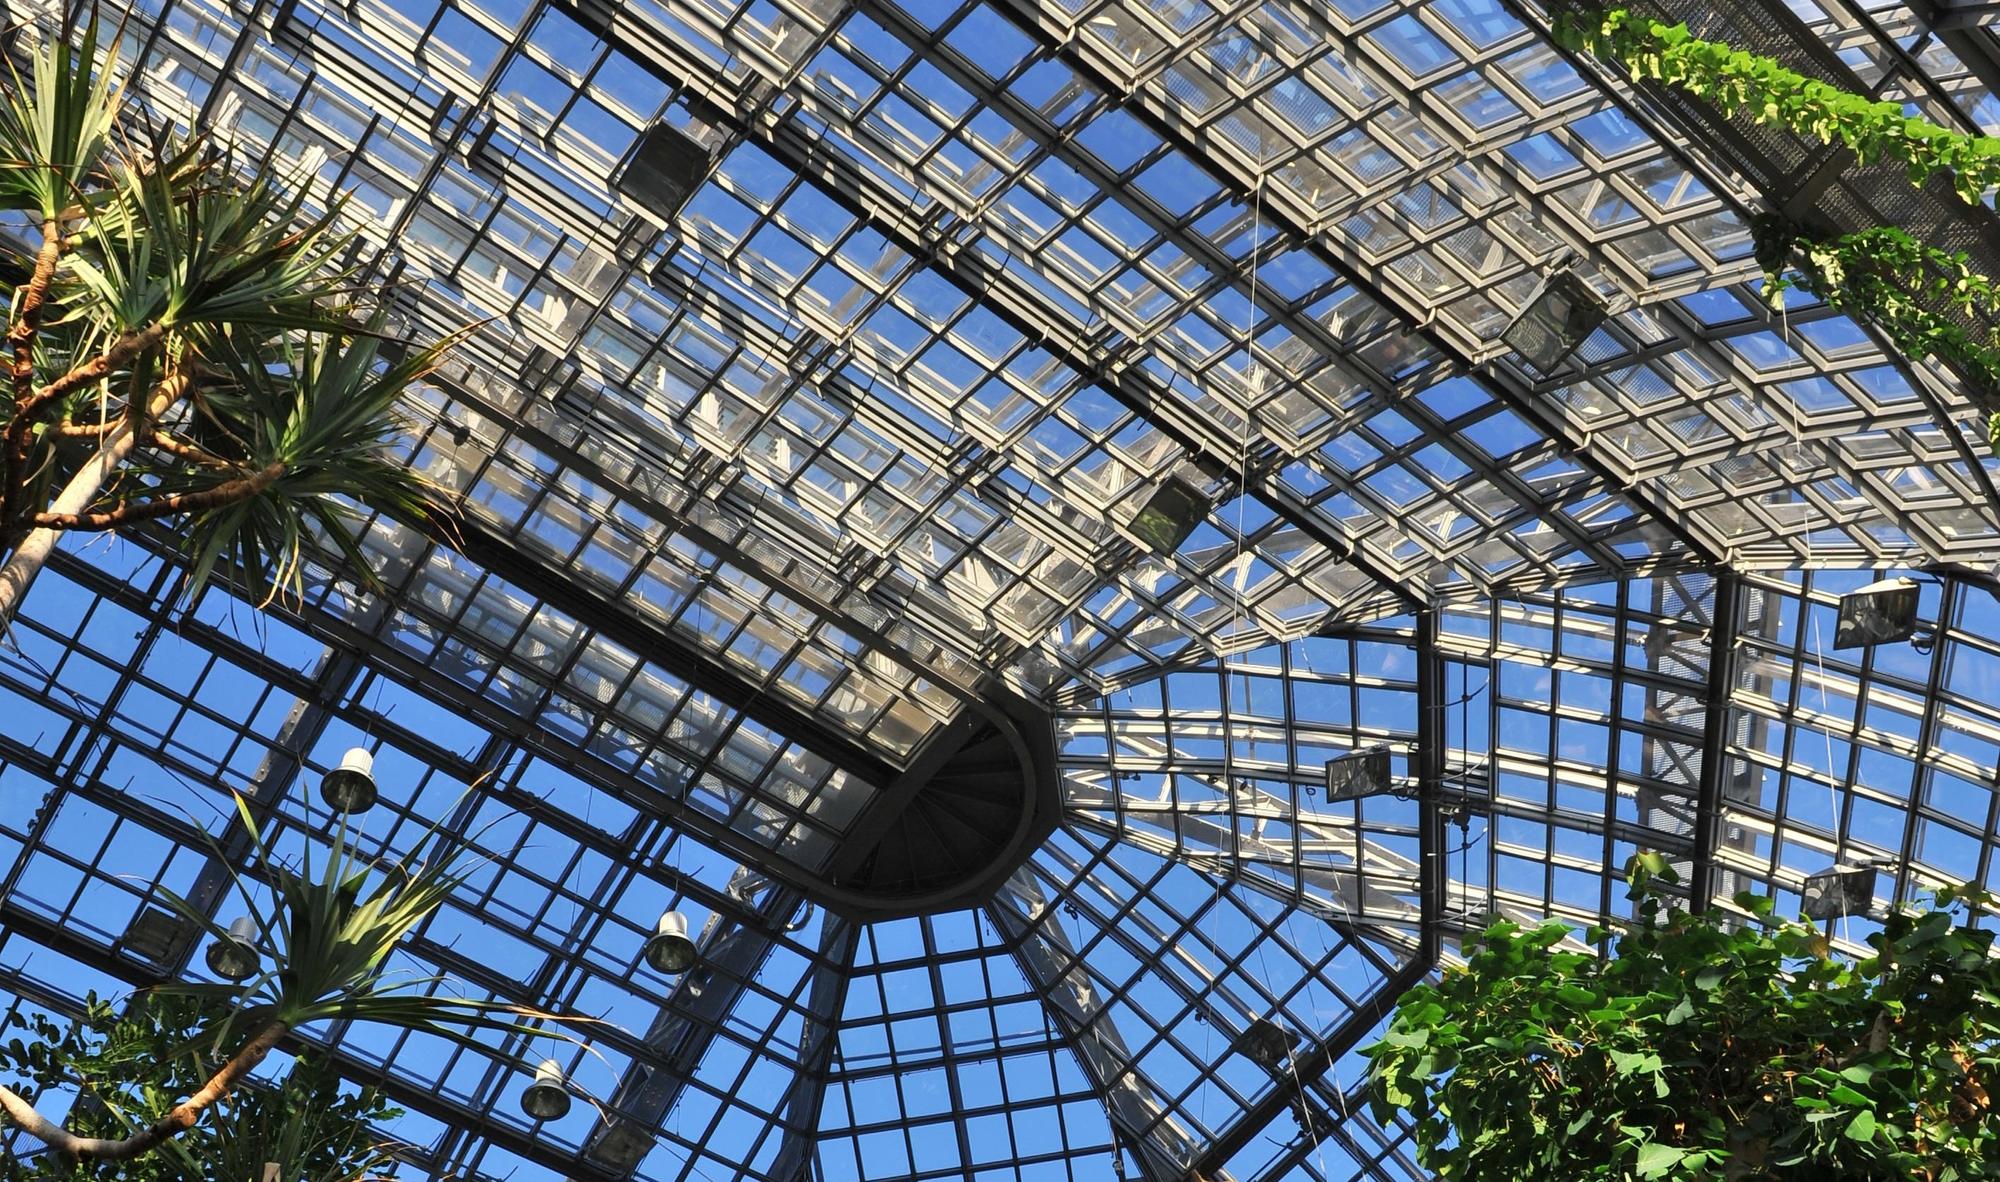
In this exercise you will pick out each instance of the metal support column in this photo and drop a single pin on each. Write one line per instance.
(1724, 618)
(1429, 764)
(825, 999)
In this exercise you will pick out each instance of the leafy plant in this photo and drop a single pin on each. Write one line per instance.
(1705, 1049)
(327, 936)
(182, 346)
(1889, 278)
(1879, 274)
(126, 1067)
(1742, 82)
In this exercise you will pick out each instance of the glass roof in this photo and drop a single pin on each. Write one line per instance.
(771, 505)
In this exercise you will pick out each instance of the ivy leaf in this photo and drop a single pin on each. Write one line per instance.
(1656, 1159)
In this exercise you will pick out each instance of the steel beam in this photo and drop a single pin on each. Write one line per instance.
(1165, 1150)
(299, 733)
(819, 1039)
(1290, 1090)
(1927, 729)
(731, 955)
(498, 555)
(1724, 619)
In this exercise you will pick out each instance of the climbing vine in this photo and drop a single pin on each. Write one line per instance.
(1740, 82)
(1885, 276)
(1882, 274)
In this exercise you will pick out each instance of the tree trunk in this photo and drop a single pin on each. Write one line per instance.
(173, 1124)
(27, 559)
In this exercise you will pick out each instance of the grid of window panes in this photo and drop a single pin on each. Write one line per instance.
(1847, 755)
(863, 429)
(948, 1065)
(1223, 767)
(132, 718)
(868, 422)
(1573, 726)
(811, 328)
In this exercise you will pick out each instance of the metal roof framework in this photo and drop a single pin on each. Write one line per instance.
(775, 496)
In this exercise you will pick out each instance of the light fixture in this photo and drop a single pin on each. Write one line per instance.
(669, 950)
(350, 788)
(666, 167)
(1265, 1043)
(621, 1146)
(548, 1097)
(157, 936)
(1362, 772)
(1169, 516)
(1880, 613)
(1837, 891)
(233, 956)
(1561, 314)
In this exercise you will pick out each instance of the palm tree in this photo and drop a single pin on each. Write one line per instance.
(181, 348)
(323, 942)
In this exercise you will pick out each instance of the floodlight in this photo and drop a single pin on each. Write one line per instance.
(233, 956)
(1880, 613)
(350, 788)
(548, 1097)
(1364, 772)
(621, 1147)
(1837, 891)
(156, 935)
(666, 167)
(669, 950)
(1169, 516)
(1266, 1043)
(1561, 315)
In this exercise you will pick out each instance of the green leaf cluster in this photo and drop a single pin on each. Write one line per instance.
(123, 1067)
(1881, 275)
(182, 333)
(1742, 82)
(1705, 1048)
(1902, 286)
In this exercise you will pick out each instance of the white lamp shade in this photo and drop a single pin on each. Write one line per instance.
(233, 956)
(670, 951)
(547, 1098)
(350, 788)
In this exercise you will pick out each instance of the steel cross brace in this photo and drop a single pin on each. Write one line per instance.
(1311, 1068)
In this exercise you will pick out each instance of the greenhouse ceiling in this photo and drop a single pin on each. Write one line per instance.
(939, 483)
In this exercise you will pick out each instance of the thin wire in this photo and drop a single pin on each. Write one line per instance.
(1240, 602)
(1833, 793)
(1305, 1111)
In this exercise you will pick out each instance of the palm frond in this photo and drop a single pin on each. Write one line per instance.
(56, 124)
(184, 243)
(322, 410)
(331, 930)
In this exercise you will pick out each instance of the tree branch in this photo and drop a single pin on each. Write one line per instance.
(228, 492)
(28, 321)
(89, 430)
(126, 347)
(159, 438)
(171, 1125)
(122, 351)
(21, 343)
